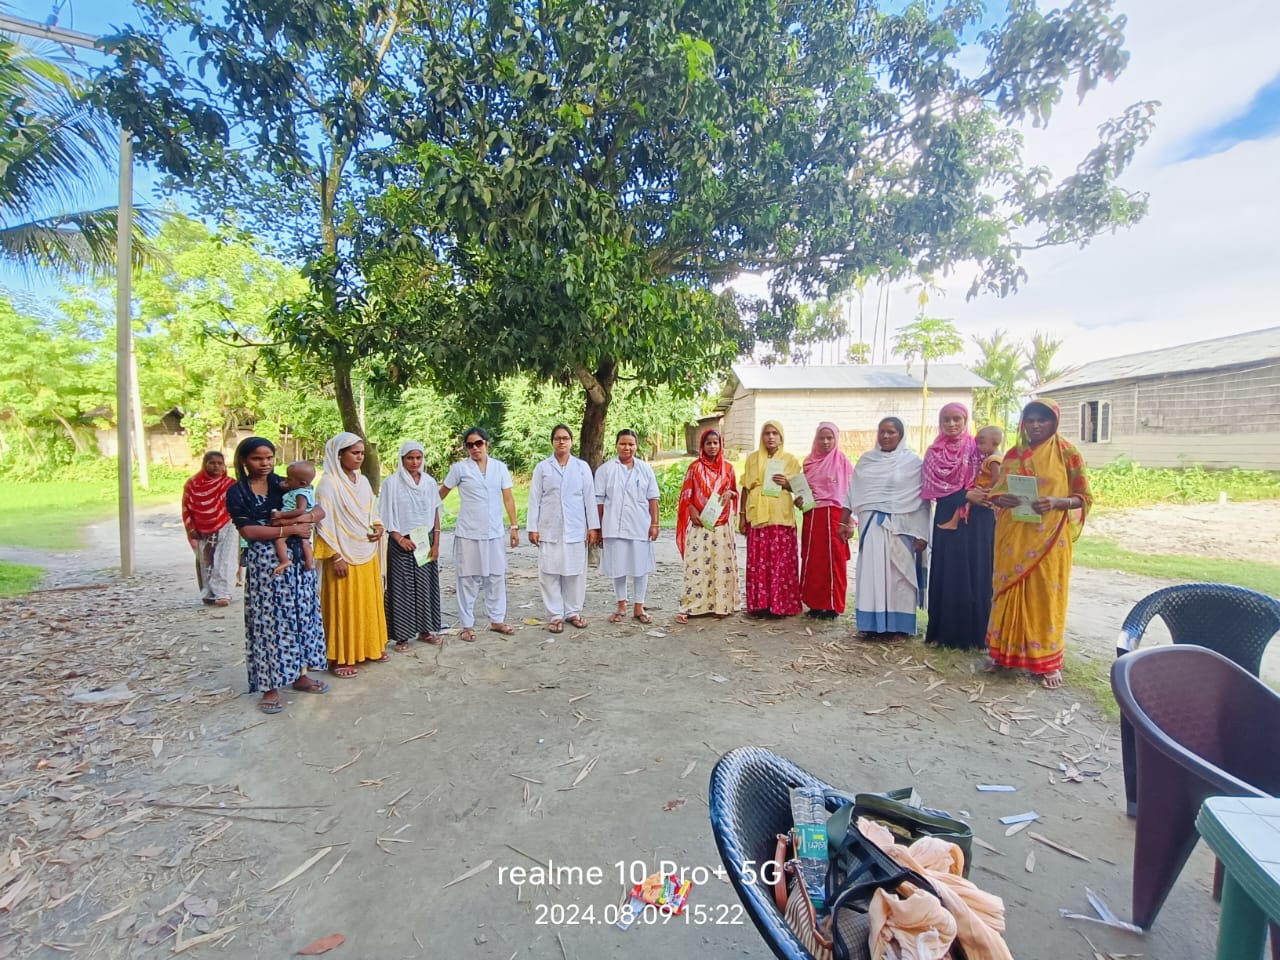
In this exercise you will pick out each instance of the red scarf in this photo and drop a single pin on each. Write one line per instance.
(204, 504)
(705, 476)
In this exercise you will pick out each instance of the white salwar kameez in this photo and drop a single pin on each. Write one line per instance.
(479, 558)
(628, 552)
(890, 584)
(561, 511)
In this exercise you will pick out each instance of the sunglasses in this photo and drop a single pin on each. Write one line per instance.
(471, 444)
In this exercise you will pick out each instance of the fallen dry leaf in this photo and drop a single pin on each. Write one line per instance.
(470, 873)
(675, 804)
(323, 945)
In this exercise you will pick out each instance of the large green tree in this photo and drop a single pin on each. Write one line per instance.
(561, 187)
(200, 311)
(577, 179)
(266, 125)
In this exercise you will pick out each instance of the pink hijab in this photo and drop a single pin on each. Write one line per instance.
(950, 463)
(828, 473)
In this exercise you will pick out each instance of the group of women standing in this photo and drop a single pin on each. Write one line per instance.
(998, 576)
(1000, 567)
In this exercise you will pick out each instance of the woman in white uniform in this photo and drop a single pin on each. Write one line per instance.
(484, 491)
(562, 521)
(627, 498)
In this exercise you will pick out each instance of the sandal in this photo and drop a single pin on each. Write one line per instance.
(273, 705)
(616, 617)
(555, 626)
(502, 628)
(1052, 680)
(432, 638)
(468, 634)
(644, 617)
(682, 618)
(385, 658)
(345, 671)
(402, 646)
(577, 622)
(309, 685)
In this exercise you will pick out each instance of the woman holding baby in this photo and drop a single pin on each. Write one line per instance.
(963, 529)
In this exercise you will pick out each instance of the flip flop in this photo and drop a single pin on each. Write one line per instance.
(385, 658)
(644, 618)
(616, 617)
(577, 622)
(344, 671)
(501, 628)
(434, 639)
(1052, 680)
(402, 646)
(468, 634)
(682, 618)
(270, 706)
(555, 626)
(313, 686)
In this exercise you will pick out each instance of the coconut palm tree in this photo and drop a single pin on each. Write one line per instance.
(53, 145)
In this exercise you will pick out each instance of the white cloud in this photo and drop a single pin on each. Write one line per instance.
(1204, 262)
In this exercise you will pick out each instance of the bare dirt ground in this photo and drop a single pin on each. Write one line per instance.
(149, 809)
(1234, 531)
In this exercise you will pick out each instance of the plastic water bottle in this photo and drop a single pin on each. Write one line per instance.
(809, 814)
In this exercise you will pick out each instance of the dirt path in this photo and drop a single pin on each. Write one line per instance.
(173, 808)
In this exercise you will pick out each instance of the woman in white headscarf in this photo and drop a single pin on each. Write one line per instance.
(347, 549)
(409, 504)
(893, 524)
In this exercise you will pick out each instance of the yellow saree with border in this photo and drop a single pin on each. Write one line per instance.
(1032, 571)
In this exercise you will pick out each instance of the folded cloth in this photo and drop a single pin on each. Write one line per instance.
(979, 916)
(909, 925)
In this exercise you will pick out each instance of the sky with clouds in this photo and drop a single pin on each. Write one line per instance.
(1204, 261)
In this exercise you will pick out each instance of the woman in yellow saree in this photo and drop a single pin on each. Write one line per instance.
(1032, 571)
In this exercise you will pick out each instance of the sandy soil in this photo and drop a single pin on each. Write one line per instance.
(1234, 531)
(175, 810)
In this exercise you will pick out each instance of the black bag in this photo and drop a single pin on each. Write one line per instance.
(906, 822)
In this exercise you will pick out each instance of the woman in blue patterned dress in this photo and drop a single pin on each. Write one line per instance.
(283, 632)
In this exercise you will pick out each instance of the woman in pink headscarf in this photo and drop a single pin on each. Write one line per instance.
(824, 550)
(963, 545)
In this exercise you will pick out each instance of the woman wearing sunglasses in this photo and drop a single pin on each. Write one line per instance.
(479, 560)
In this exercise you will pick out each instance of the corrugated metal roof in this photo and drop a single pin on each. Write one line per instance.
(1204, 355)
(856, 376)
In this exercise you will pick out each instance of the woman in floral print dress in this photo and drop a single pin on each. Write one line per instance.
(283, 632)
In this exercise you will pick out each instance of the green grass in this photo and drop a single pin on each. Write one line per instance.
(18, 578)
(51, 514)
(1106, 555)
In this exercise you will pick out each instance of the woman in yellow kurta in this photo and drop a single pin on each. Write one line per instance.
(769, 523)
(355, 623)
(1033, 560)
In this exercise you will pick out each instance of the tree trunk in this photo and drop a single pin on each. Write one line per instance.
(70, 433)
(350, 412)
(599, 390)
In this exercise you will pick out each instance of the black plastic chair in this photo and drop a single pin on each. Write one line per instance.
(1203, 727)
(750, 804)
(1232, 621)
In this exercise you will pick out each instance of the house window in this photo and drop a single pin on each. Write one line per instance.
(1095, 421)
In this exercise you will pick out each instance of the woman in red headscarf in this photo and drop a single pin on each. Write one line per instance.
(210, 532)
(960, 567)
(1033, 556)
(704, 534)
